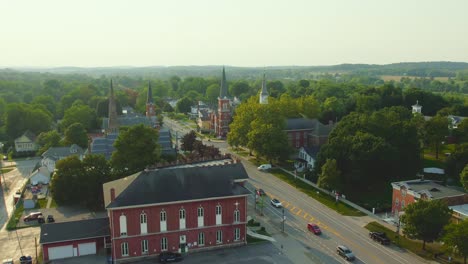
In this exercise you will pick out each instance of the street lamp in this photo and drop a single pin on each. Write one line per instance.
(282, 221)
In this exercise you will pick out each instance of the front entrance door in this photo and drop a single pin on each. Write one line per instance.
(182, 244)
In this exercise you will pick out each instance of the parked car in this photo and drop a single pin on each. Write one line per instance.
(380, 237)
(264, 167)
(314, 228)
(345, 252)
(25, 260)
(170, 257)
(260, 192)
(7, 261)
(50, 219)
(32, 216)
(276, 203)
(40, 219)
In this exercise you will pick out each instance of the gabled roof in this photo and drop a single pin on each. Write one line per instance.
(300, 123)
(28, 134)
(312, 151)
(74, 230)
(63, 151)
(181, 184)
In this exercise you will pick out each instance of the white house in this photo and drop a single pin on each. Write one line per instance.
(54, 154)
(40, 176)
(306, 158)
(26, 142)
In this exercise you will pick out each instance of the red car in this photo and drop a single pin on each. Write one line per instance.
(32, 216)
(314, 228)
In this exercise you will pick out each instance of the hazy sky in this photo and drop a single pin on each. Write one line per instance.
(237, 32)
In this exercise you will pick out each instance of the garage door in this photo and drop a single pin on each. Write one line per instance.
(60, 252)
(87, 248)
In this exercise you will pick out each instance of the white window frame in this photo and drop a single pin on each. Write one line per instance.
(163, 221)
(201, 239)
(201, 216)
(219, 236)
(143, 223)
(182, 217)
(123, 225)
(236, 216)
(164, 243)
(124, 249)
(144, 246)
(219, 214)
(236, 234)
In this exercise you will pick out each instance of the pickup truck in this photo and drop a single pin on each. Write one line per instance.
(380, 237)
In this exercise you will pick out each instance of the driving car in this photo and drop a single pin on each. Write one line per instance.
(276, 203)
(345, 252)
(170, 257)
(32, 216)
(260, 192)
(264, 167)
(314, 228)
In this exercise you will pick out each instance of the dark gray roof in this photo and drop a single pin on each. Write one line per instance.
(204, 114)
(300, 123)
(103, 145)
(130, 121)
(63, 151)
(181, 184)
(81, 229)
(312, 151)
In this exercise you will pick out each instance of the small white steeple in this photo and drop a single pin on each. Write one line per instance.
(417, 108)
(264, 92)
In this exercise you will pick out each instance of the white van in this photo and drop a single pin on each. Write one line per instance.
(264, 167)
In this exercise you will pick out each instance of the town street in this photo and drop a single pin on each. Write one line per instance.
(300, 209)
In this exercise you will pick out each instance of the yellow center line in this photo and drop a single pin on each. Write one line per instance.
(305, 215)
(292, 209)
(298, 212)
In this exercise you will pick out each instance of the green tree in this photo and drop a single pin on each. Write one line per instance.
(47, 140)
(309, 106)
(425, 220)
(184, 105)
(76, 134)
(455, 237)
(330, 177)
(65, 184)
(96, 172)
(22, 117)
(238, 88)
(464, 177)
(436, 130)
(47, 101)
(457, 161)
(243, 117)
(82, 114)
(135, 149)
(212, 93)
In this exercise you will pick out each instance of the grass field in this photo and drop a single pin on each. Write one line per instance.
(397, 78)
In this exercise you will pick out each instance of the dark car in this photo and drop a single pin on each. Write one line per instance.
(50, 219)
(170, 257)
(260, 192)
(25, 260)
(32, 216)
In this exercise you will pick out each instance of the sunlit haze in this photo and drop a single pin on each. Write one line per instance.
(239, 33)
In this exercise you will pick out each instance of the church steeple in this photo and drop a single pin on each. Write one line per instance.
(264, 92)
(224, 87)
(113, 123)
(150, 109)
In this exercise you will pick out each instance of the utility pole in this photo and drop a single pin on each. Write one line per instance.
(35, 246)
(282, 221)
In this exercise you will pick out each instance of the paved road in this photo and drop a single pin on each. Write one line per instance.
(14, 244)
(301, 209)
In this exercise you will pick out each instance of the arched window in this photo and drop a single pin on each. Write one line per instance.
(236, 215)
(163, 221)
(218, 215)
(182, 218)
(201, 216)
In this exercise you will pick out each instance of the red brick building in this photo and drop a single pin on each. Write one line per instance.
(408, 192)
(177, 209)
(220, 119)
(304, 132)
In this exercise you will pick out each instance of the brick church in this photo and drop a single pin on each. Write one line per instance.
(220, 119)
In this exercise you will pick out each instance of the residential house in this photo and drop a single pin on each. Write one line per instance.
(54, 154)
(203, 121)
(40, 176)
(26, 142)
(306, 158)
(408, 192)
(103, 145)
(177, 209)
(460, 212)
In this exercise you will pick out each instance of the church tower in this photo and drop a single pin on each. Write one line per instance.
(264, 92)
(416, 108)
(224, 109)
(150, 108)
(113, 125)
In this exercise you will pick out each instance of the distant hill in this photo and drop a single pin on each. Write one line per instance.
(419, 69)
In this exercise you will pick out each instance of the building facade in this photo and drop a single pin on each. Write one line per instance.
(26, 142)
(177, 209)
(221, 118)
(304, 132)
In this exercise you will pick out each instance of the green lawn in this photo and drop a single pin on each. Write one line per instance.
(16, 217)
(414, 246)
(254, 240)
(41, 203)
(317, 195)
(8, 169)
(53, 204)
